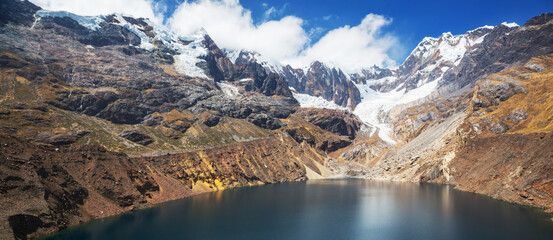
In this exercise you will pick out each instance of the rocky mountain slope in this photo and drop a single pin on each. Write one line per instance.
(490, 136)
(104, 114)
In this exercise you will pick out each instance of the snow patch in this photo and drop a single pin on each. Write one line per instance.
(37, 19)
(186, 64)
(371, 82)
(145, 41)
(190, 49)
(452, 48)
(229, 90)
(479, 40)
(90, 22)
(510, 25)
(425, 48)
(309, 101)
(232, 55)
(268, 64)
(480, 28)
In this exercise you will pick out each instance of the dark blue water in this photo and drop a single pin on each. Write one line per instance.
(326, 209)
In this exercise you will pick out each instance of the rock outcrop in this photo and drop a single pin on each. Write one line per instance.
(327, 82)
(340, 122)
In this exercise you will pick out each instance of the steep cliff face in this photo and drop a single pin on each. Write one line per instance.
(512, 167)
(339, 122)
(322, 81)
(246, 70)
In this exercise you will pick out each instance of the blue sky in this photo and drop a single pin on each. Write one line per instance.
(350, 34)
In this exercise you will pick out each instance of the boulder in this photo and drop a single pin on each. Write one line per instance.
(337, 121)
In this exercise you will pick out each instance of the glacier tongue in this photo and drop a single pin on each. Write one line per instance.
(145, 41)
(186, 62)
(374, 106)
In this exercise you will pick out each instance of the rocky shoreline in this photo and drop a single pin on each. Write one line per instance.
(66, 186)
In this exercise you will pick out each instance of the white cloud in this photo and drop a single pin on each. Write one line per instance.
(352, 48)
(136, 8)
(269, 12)
(232, 27)
(316, 31)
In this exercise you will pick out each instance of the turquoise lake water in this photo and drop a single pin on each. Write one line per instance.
(326, 209)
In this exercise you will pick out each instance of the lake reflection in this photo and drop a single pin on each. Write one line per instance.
(326, 209)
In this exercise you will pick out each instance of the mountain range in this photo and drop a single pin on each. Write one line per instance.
(100, 115)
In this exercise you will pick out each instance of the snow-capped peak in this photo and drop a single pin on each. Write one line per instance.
(232, 55)
(245, 57)
(425, 46)
(510, 25)
(485, 27)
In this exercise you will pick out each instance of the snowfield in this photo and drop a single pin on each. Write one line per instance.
(309, 101)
